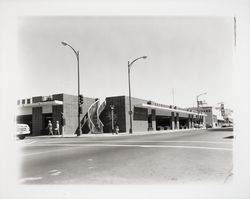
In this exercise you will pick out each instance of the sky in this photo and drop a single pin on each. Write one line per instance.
(187, 55)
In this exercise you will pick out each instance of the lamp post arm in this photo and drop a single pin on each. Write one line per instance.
(130, 64)
(73, 50)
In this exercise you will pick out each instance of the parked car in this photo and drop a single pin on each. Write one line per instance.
(196, 125)
(225, 125)
(209, 126)
(158, 128)
(167, 127)
(22, 130)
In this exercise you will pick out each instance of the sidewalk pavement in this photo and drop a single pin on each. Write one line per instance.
(111, 135)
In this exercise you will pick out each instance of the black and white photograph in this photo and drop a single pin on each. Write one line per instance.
(152, 103)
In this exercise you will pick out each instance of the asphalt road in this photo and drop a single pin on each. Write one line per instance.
(161, 158)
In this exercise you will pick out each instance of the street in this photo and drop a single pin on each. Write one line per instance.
(195, 156)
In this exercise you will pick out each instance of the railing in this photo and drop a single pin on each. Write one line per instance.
(99, 111)
(91, 111)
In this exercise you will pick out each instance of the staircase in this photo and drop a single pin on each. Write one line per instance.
(94, 122)
(100, 108)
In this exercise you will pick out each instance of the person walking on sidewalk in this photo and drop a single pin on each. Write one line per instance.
(57, 130)
(50, 128)
(116, 129)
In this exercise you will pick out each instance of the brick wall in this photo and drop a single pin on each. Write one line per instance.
(138, 125)
(70, 110)
(119, 114)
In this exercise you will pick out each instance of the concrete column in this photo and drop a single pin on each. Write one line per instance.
(172, 121)
(192, 121)
(37, 121)
(153, 119)
(204, 121)
(177, 121)
(189, 122)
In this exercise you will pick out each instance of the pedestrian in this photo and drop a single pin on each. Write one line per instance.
(57, 130)
(49, 127)
(117, 129)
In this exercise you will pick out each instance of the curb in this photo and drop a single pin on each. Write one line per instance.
(112, 135)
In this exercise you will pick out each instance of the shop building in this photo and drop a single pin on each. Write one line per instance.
(214, 116)
(37, 111)
(146, 115)
(103, 116)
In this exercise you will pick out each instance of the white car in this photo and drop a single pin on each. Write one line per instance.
(22, 130)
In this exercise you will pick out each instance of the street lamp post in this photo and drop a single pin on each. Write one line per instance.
(198, 107)
(78, 91)
(130, 111)
(112, 117)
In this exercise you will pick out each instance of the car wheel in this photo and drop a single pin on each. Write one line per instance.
(21, 137)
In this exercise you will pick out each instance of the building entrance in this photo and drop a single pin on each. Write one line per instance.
(46, 118)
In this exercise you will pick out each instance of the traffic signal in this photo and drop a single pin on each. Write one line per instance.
(80, 99)
(80, 110)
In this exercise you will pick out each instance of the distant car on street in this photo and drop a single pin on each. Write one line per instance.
(209, 126)
(225, 125)
(196, 125)
(158, 128)
(22, 130)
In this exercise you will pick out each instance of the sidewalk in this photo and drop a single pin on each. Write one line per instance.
(112, 135)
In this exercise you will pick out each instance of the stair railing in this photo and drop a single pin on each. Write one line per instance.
(99, 111)
(90, 114)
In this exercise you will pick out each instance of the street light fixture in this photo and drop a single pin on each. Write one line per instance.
(78, 92)
(198, 107)
(130, 111)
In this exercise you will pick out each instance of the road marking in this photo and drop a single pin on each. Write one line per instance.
(127, 145)
(32, 142)
(30, 179)
(90, 159)
(54, 172)
(50, 151)
(133, 141)
(27, 142)
(158, 146)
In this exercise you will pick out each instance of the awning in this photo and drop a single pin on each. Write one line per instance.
(40, 104)
(169, 109)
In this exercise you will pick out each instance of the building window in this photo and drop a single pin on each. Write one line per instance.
(18, 102)
(23, 101)
(28, 101)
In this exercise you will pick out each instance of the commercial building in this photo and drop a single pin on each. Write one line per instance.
(37, 111)
(103, 116)
(214, 116)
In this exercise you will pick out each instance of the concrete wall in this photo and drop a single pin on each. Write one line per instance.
(119, 114)
(70, 110)
(37, 119)
(138, 123)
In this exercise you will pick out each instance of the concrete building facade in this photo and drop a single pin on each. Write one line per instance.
(146, 115)
(214, 116)
(102, 117)
(37, 111)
